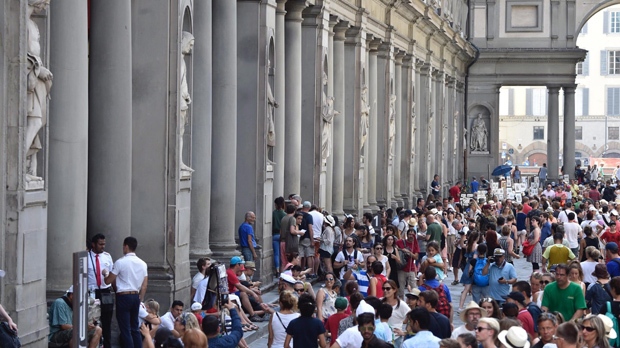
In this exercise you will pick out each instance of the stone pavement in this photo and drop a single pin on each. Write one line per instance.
(259, 338)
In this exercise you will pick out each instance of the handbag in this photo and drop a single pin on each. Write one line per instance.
(528, 248)
(106, 298)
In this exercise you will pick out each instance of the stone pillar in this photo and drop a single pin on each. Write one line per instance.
(553, 134)
(424, 130)
(292, 152)
(329, 180)
(405, 131)
(110, 124)
(224, 138)
(384, 62)
(569, 131)
(339, 121)
(438, 131)
(396, 151)
(451, 121)
(280, 112)
(202, 118)
(371, 161)
(68, 140)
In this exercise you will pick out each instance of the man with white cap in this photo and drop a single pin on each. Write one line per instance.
(61, 323)
(470, 317)
(287, 282)
(515, 337)
(501, 275)
(351, 337)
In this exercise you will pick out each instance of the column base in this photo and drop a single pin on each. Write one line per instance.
(222, 252)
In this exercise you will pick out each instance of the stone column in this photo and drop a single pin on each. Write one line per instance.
(381, 132)
(569, 130)
(110, 122)
(292, 152)
(438, 131)
(406, 125)
(329, 180)
(202, 116)
(396, 151)
(553, 134)
(224, 137)
(339, 122)
(280, 112)
(424, 111)
(371, 142)
(68, 140)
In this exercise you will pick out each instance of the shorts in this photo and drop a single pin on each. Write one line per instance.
(456, 258)
(62, 338)
(306, 249)
(450, 240)
(324, 254)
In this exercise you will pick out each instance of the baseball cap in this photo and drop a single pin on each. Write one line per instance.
(235, 260)
(364, 308)
(341, 303)
(499, 252)
(517, 296)
(612, 246)
(415, 292)
(196, 306)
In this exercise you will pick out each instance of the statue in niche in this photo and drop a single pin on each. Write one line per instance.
(456, 133)
(326, 134)
(39, 83)
(392, 124)
(413, 129)
(364, 120)
(272, 104)
(187, 43)
(479, 135)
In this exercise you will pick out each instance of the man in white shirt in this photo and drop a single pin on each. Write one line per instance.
(470, 317)
(549, 193)
(351, 337)
(202, 264)
(317, 231)
(420, 319)
(563, 216)
(99, 260)
(131, 276)
(573, 232)
(168, 319)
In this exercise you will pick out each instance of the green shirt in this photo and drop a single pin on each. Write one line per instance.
(435, 231)
(59, 314)
(566, 301)
(276, 219)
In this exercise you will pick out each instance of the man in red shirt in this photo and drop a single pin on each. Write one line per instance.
(526, 205)
(410, 248)
(455, 192)
(524, 316)
(244, 293)
(331, 325)
(593, 194)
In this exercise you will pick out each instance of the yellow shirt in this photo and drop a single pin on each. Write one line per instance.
(558, 253)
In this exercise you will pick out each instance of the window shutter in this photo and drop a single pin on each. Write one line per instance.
(585, 101)
(528, 102)
(511, 102)
(603, 62)
(586, 65)
(606, 22)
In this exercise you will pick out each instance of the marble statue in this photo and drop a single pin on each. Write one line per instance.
(271, 128)
(456, 133)
(364, 120)
(328, 114)
(479, 135)
(392, 125)
(187, 43)
(39, 83)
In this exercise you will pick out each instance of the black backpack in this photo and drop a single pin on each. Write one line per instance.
(8, 337)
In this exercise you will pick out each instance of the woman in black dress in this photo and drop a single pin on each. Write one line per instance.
(391, 251)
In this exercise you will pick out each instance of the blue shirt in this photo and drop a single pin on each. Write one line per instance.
(474, 186)
(496, 290)
(233, 338)
(613, 268)
(433, 283)
(362, 282)
(246, 230)
(545, 232)
(421, 339)
(383, 331)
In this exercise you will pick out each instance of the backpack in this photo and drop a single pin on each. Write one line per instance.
(535, 311)
(346, 258)
(479, 278)
(443, 306)
(615, 342)
(8, 337)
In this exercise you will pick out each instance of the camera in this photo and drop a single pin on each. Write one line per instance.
(224, 298)
(491, 259)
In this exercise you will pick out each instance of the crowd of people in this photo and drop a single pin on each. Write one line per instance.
(384, 279)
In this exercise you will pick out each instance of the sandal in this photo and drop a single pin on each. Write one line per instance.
(456, 282)
(245, 328)
(253, 327)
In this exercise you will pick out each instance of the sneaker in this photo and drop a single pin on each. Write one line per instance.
(255, 318)
(449, 269)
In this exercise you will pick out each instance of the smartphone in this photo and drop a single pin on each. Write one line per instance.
(224, 298)
(502, 278)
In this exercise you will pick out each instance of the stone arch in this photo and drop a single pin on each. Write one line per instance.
(534, 150)
(588, 10)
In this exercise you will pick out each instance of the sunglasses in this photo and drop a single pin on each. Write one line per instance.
(588, 328)
(329, 279)
(366, 328)
(379, 248)
(479, 329)
(299, 290)
(386, 289)
(545, 282)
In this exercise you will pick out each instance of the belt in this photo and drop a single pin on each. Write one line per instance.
(127, 293)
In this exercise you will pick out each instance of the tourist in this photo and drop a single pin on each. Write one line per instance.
(515, 337)
(289, 232)
(406, 277)
(593, 331)
(535, 257)
(567, 335)
(575, 275)
(526, 290)
(211, 327)
(547, 325)
(149, 315)
(381, 257)
(467, 340)
(276, 218)
(195, 338)
(326, 298)
(326, 247)
(501, 275)
(306, 241)
(247, 241)
(399, 307)
(376, 281)
(487, 331)
(202, 264)
(613, 259)
(491, 307)
(185, 321)
(439, 324)
(279, 321)
(418, 323)
(470, 254)
(332, 324)
(412, 298)
(354, 302)
(557, 253)
(351, 337)
(564, 296)
(366, 326)
(168, 319)
(598, 293)
(304, 331)
(524, 316)
(61, 324)
(507, 243)
(593, 256)
(434, 260)
(470, 316)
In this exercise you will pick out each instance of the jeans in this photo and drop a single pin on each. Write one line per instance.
(478, 292)
(127, 307)
(404, 279)
(276, 250)
(247, 254)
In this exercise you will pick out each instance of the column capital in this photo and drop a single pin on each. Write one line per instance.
(399, 55)
(294, 10)
(340, 30)
(553, 89)
(385, 50)
(408, 60)
(280, 9)
(333, 20)
(353, 36)
(373, 44)
(569, 88)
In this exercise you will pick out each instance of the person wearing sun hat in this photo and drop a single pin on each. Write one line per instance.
(470, 317)
(515, 337)
(598, 293)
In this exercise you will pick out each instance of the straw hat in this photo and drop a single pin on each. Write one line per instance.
(609, 327)
(472, 305)
(515, 337)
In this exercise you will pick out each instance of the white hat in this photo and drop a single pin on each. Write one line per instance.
(515, 337)
(330, 220)
(70, 290)
(196, 306)
(434, 211)
(364, 308)
(287, 278)
(472, 305)
(490, 202)
(609, 327)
